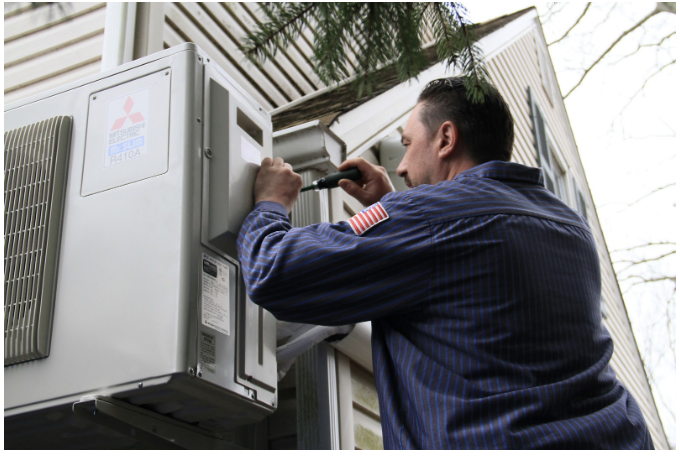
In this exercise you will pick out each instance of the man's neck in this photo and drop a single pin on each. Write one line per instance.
(459, 165)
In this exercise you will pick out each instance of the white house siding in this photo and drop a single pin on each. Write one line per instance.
(46, 47)
(366, 414)
(219, 28)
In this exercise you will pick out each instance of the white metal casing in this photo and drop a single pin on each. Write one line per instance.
(129, 304)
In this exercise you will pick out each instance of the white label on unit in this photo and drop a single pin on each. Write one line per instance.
(250, 153)
(207, 353)
(215, 302)
(127, 124)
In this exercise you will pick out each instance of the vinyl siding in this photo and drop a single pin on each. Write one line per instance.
(46, 47)
(367, 429)
(219, 28)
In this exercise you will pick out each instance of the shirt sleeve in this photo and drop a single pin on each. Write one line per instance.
(325, 274)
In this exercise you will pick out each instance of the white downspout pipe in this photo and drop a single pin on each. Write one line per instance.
(119, 34)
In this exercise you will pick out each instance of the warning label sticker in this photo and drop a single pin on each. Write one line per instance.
(207, 351)
(215, 295)
(127, 123)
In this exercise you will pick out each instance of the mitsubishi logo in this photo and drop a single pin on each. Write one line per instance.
(134, 117)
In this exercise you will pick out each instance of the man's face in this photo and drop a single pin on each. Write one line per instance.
(420, 163)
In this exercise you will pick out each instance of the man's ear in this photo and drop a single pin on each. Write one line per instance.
(448, 139)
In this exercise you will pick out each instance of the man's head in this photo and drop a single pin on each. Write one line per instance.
(447, 133)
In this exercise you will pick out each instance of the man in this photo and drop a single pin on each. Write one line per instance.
(482, 287)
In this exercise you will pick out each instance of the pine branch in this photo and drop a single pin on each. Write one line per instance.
(277, 33)
(329, 53)
(444, 36)
(380, 34)
(475, 74)
(573, 26)
(408, 23)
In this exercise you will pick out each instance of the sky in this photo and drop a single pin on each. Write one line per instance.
(627, 153)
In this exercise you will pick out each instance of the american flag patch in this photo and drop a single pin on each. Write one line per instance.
(368, 218)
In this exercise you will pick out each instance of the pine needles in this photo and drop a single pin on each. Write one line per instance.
(356, 39)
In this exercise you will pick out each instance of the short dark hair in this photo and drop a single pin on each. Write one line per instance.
(486, 128)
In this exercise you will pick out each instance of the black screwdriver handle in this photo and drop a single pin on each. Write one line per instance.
(331, 181)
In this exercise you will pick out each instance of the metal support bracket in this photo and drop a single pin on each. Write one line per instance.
(148, 427)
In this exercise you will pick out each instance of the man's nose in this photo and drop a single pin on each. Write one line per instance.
(401, 169)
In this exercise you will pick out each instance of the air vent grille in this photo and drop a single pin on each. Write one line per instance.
(36, 158)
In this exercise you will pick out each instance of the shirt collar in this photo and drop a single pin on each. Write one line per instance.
(507, 171)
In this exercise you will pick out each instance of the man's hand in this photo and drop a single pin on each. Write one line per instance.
(277, 182)
(374, 183)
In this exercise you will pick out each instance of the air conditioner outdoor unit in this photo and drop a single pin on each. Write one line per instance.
(124, 194)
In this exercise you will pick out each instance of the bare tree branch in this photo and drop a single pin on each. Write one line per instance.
(606, 18)
(630, 100)
(550, 13)
(640, 46)
(647, 280)
(656, 11)
(641, 246)
(572, 27)
(648, 194)
(671, 340)
(643, 261)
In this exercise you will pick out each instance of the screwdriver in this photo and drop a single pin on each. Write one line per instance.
(331, 181)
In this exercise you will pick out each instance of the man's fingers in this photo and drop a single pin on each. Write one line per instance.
(352, 188)
(359, 162)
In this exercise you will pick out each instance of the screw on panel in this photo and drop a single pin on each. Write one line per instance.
(191, 371)
(94, 97)
(200, 374)
(273, 402)
(167, 73)
(140, 385)
(208, 153)
(199, 119)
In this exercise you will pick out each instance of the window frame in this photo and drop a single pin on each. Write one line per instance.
(547, 150)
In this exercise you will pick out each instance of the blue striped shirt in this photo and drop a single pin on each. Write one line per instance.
(484, 298)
